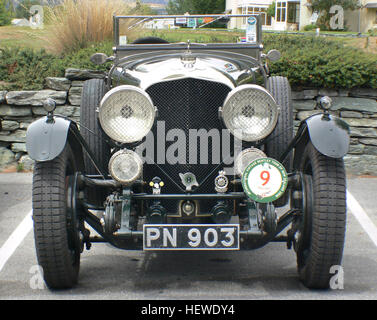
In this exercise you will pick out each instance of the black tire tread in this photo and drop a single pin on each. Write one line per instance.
(50, 224)
(328, 221)
(92, 93)
(280, 138)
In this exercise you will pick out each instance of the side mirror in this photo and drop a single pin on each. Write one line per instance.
(99, 58)
(273, 55)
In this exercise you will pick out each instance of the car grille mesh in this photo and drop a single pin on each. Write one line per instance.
(187, 104)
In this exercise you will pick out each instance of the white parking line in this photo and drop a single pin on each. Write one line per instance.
(18, 235)
(15, 239)
(362, 217)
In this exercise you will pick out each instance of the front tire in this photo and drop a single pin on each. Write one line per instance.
(323, 224)
(282, 135)
(56, 232)
(91, 131)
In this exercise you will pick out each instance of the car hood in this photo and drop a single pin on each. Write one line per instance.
(147, 72)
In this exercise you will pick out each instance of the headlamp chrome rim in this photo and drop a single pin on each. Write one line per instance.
(239, 132)
(138, 162)
(148, 106)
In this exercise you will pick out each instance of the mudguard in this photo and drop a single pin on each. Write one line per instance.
(46, 139)
(329, 135)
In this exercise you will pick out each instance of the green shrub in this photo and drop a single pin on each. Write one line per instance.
(27, 69)
(306, 60)
(372, 32)
(317, 62)
(5, 14)
(310, 27)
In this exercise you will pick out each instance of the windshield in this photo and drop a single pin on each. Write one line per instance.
(227, 29)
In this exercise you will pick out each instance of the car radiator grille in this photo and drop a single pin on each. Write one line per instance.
(187, 104)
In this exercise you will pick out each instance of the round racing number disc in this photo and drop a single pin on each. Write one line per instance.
(264, 180)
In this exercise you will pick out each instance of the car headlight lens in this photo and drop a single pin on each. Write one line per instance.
(125, 166)
(126, 114)
(250, 112)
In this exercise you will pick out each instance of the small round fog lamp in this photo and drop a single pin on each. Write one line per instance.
(125, 166)
(245, 157)
(49, 105)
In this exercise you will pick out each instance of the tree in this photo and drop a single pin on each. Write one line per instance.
(195, 6)
(142, 9)
(323, 7)
(5, 13)
(271, 9)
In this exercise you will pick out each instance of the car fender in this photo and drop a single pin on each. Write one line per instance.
(46, 138)
(329, 135)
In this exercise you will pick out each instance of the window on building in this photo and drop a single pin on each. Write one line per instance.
(281, 8)
(293, 12)
(266, 21)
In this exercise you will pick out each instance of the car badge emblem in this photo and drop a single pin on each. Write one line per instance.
(188, 180)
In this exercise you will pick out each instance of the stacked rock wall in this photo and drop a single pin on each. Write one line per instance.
(358, 107)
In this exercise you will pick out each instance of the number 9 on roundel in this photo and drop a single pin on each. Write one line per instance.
(264, 180)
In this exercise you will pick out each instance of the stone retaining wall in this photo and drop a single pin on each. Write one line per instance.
(358, 107)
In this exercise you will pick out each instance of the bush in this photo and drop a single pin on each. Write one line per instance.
(310, 27)
(5, 14)
(17, 65)
(372, 32)
(318, 62)
(306, 61)
(74, 24)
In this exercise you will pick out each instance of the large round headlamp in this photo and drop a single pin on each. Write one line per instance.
(126, 114)
(250, 112)
(125, 166)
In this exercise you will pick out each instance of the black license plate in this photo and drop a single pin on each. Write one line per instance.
(191, 237)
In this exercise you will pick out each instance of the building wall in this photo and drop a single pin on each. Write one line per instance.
(367, 16)
(305, 14)
(231, 6)
(367, 19)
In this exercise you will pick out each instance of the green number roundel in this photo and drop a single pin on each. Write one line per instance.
(264, 180)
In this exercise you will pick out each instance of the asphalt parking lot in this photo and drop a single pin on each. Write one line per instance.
(109, 273)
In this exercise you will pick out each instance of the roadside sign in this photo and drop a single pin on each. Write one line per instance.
(191, 23)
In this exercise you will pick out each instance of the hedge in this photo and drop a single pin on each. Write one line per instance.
(307, 61)
(25, 69)
(317, 62)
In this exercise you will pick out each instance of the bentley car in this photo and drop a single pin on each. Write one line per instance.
(188, 146)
